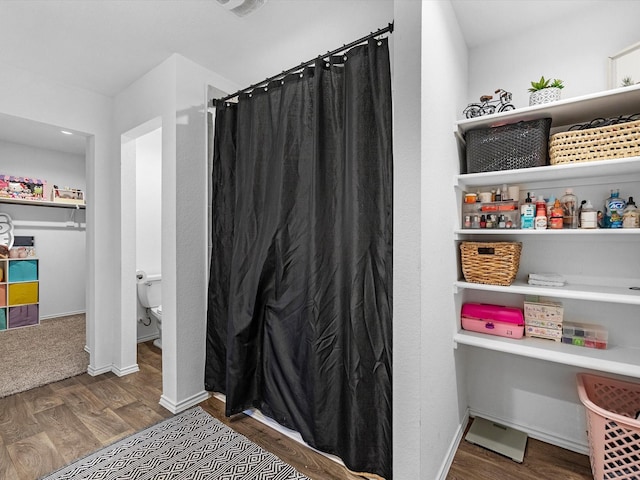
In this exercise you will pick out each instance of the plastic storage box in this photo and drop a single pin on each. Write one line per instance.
(585, 335)
(503, 215)
(613, 431)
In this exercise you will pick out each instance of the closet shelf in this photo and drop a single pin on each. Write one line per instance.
(600, 232)
(617, 360)
(595, 293)
(622, 168)
(40, 203)
(567, 112)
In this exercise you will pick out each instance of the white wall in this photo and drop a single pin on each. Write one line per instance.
(60, 249)
(428, 52)
(444, 73)
(29, 96)
(173, 95)
(149, 202)
(574, 49)
(541, 397)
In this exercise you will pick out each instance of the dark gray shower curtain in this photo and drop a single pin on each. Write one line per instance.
(300, 300)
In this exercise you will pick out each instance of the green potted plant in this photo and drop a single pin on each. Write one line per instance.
(545, 90)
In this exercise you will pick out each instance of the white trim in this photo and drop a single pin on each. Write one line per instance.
(94, 372)
(149, 337)
(189, 402)
(121, 372)
(453, 448)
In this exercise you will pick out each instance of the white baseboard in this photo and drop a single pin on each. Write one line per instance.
(177, 407)
(65, 314)
(121, 372)
(453, 448)
(546, 437)
(95, 371)
(146, 338)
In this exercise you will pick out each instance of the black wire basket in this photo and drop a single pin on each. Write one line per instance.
(508, 147)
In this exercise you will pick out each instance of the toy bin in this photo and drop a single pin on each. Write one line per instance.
(614, 433)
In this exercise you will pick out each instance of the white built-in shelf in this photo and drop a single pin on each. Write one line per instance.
(598, 232)
(564, 113)
(40, 203)
(616, 168)
(595, 293)
(617, 360)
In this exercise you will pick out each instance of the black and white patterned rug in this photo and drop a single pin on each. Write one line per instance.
(191, 445)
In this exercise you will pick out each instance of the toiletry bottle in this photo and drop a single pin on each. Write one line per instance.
(613, 210)
(541, 216)
(588, 216)
(569, 209)
(527, 214)
(582, 202)
(498, 195)
(556, 216)
(631, 215)
(550, 203)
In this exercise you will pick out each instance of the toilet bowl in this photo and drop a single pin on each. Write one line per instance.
(156, 313)
(149, 295)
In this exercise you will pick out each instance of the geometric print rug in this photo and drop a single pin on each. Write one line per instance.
(192, 445)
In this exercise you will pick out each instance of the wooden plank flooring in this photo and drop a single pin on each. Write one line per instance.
(50, 426)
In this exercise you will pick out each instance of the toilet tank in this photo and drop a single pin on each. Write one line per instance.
(149, 290)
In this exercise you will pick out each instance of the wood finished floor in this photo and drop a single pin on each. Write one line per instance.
(50, 426)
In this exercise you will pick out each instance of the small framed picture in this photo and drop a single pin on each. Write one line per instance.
(624, 67)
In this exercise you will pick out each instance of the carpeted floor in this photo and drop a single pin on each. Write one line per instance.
(41, 354)
(191, 445)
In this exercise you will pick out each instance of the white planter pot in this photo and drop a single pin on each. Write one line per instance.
(545, 95)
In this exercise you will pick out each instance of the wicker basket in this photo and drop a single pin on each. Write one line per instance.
(614, 433)
(508, 147)
(491, 263)
(600, 143)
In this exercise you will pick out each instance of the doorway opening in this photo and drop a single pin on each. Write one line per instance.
(141, 233)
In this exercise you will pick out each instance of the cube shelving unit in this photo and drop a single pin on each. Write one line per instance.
(19, 293)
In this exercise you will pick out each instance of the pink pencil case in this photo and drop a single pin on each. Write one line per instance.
(493, 319)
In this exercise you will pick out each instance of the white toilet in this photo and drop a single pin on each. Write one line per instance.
(150, 296)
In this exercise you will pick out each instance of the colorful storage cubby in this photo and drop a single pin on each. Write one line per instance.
(19, 293)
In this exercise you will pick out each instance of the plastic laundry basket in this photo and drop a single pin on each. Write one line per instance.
(614, 433)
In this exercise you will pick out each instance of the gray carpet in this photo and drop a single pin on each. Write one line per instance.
(41, 354)
(191, 445)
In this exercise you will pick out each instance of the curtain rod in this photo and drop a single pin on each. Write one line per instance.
(387, 29)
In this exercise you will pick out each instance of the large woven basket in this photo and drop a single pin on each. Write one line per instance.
(493, 263)
(600, 143)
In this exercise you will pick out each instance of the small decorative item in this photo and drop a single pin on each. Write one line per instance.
(6, 234)
(73, 196)
(545, 90)
(21, 188)
(487, 105)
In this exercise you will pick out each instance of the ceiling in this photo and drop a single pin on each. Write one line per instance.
(105, 45)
